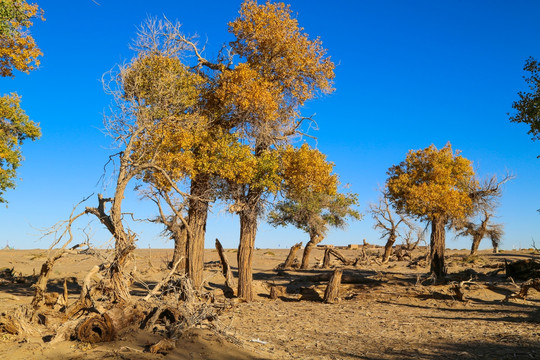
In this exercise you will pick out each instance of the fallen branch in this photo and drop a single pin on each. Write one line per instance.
(226, 270)
(524, 290)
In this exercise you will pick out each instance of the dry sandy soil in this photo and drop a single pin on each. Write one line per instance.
(392, 311)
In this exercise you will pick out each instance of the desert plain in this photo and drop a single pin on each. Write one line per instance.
(383, 311)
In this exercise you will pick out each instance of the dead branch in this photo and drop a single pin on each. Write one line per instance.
(226, 270)
(524, 290)
(165, 280)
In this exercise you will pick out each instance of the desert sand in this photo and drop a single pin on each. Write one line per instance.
(387, 311)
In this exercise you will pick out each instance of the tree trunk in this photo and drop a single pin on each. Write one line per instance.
(179, 234)
(248, 231)
(475, 243)
(332, 290)
(438, 237)
(388, 247)
(197, 215)
(314, 239)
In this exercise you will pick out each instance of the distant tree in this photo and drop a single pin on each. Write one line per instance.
(18, 51)
(481, 230)
(388, 222)
(485, 199)
(435, 186)
(312, 202)
(528, 105)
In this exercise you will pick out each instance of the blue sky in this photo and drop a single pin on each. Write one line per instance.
(409, 74)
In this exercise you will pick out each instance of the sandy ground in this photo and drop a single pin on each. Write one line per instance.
(392, 311)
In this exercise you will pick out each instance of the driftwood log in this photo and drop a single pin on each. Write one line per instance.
(291, 257)
(227, 272)
(331, 294)
(103, 328)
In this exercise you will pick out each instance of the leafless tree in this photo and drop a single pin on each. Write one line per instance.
(388, 222)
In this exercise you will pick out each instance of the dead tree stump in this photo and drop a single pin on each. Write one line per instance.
(276, 291)
(291, 257)
(332, 290)
(227, 272)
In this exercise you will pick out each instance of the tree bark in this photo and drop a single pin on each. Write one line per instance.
(332, 290)
(226, 270)
(438, 237)
(314, 239)
(475, 243)
(388, 247)
(197, 215)
(248, 231)
(292, 255)
(179, 234)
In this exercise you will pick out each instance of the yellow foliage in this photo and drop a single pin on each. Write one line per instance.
(306, 170)
(275, 47)
(433, 184)
(18, 50)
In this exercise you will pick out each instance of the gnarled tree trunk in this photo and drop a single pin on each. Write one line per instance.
(314, 239)
(179, 235)
(475, 243)
(197, 215)
(388, 247)
(438, 237)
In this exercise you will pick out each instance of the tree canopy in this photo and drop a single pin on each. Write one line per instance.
(528, 105)
(18, 51)
(435, 186)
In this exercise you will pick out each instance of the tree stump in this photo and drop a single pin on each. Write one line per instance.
(291, 257)
(332, 290)
(276, 292)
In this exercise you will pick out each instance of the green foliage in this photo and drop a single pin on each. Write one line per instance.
(312, 202)
(528, 105)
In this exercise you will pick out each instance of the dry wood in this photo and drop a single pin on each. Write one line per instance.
(226, 270)
(165, 280)
(105, 327)
(337, 254)
(163, 346)
(332, 290)
(41, 284)
(524, 290)
(85, 299)
(276, 291)
(326, 259)
(291, 257)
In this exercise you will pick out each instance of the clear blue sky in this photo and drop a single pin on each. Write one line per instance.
(409, 74)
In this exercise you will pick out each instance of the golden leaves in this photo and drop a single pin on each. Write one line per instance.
(306, 169)
(18, 50)
(432, 183)
(274, 46)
